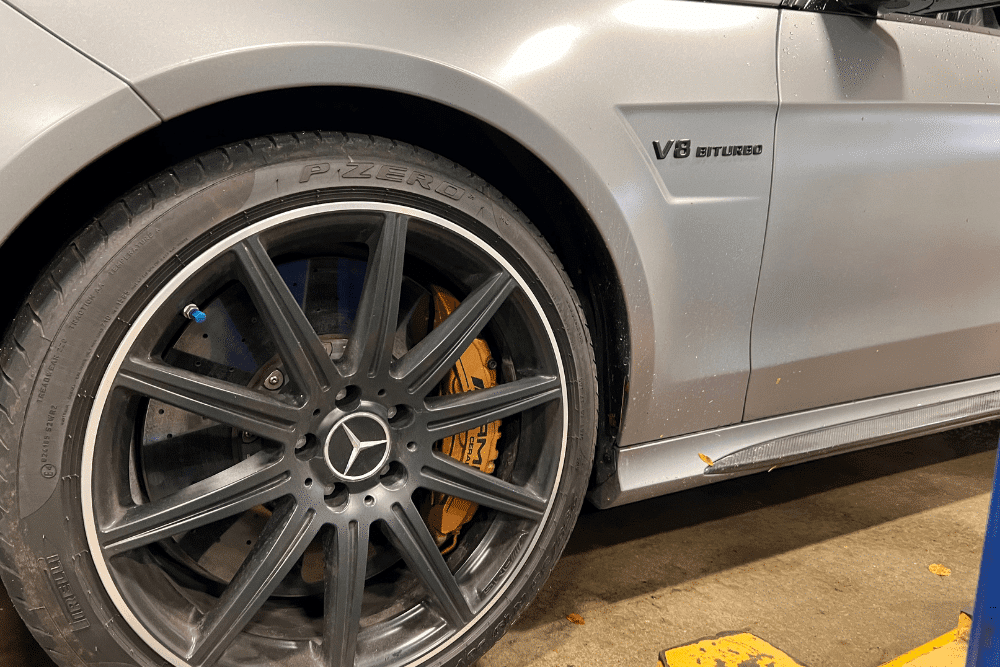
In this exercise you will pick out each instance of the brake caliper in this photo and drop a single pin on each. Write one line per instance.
(477, 447)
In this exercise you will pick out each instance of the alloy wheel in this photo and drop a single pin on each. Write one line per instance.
(326, 473)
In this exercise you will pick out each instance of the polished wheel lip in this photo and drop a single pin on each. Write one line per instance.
(358, 446)
(107, 382)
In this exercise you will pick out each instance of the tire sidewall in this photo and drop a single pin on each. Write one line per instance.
(119, 277)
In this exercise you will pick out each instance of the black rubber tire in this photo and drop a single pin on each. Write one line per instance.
(83, 303)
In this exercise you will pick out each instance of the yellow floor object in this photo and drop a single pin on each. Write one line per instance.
(728, 650)
(948, 650)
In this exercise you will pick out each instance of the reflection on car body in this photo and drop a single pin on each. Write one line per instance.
(331, 322)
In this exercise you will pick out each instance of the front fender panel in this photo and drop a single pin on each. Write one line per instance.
(559, 77)
(59, 110)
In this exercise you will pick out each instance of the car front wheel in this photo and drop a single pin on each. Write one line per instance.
(311, 399)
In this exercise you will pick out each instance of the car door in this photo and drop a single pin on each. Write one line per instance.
(879, 271)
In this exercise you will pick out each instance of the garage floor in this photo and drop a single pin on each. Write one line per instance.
(827, 561)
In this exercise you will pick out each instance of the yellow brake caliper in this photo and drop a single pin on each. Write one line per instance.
(477, 447)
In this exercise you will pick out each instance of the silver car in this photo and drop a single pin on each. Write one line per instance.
(335, 313)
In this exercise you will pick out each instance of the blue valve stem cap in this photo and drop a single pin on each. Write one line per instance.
(192, 313)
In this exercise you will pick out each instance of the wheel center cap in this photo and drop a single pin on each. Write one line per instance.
(357, 446)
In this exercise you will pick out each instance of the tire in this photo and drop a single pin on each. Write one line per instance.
(254, 488)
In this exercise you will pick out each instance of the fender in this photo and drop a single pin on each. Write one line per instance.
(524, 80)
(60, 112)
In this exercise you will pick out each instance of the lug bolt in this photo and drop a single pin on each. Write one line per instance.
(274, 380)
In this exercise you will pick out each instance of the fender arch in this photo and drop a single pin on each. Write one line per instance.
(494, 155)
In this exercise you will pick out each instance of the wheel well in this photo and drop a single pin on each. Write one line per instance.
(492, 155)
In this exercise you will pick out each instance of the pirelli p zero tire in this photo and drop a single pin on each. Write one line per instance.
(223, 409)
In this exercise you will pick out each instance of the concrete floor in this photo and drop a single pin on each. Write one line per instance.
(826, 560)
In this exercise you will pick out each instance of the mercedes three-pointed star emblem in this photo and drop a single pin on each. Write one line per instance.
(359, 450)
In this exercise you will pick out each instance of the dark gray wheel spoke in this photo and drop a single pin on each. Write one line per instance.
(298, 345)
(225, 402)
(413, 540)
(454, 478)
(369, 349)
(285, 537)
(256, 480)
(424, 365)
(346, 564)
(454, 413)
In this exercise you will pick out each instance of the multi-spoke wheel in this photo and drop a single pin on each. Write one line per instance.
(310, 400)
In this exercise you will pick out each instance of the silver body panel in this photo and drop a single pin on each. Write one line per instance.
(60, 112)
(847, 259)
(554, 76)
(879, 267)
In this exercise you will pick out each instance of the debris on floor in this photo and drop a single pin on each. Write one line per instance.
(576, 618)
(939, 569)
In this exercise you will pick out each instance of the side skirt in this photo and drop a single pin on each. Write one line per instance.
(664, 466)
